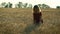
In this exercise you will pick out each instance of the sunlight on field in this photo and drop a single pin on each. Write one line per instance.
(20, 21)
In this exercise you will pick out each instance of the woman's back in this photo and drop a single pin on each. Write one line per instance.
(37, 15)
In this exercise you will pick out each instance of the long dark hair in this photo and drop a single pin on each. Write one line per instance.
(36, 7)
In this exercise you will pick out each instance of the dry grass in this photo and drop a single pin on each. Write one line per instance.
(20, 21)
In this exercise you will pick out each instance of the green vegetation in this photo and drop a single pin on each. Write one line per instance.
(58, 7)
(22, 5)
(44, 6)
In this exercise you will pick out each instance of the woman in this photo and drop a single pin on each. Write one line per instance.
(37, 15)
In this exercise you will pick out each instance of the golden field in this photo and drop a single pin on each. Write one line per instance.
(20, 21)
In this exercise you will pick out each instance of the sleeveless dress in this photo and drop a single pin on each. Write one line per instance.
(37, 17)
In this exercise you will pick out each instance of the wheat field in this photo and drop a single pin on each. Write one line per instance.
(20, 21)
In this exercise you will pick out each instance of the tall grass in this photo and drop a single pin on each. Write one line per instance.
(20, 21)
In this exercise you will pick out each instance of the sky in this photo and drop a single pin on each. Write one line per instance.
(51, 3)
